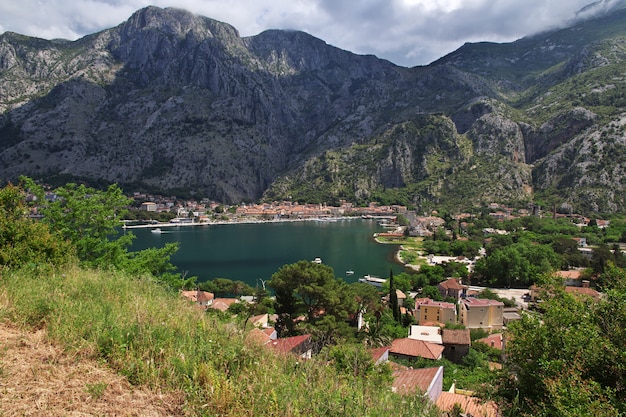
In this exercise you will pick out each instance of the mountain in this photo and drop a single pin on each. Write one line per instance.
(175, 102)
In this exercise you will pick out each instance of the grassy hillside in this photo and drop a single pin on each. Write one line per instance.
(156, 340)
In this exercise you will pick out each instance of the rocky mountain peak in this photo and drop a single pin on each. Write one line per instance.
(169, 100)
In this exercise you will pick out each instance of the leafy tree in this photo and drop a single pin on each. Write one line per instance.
(310, 289)
(26, 241)
(432, 292)
(569, 361)
(90, 220)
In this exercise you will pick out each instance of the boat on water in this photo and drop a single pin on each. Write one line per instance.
(317, 260)
(157, 230)
(349, 272)
(372, 280)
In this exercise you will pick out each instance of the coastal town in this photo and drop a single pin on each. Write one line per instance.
(463, 316)
(445, 326)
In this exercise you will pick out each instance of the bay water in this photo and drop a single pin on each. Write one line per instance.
(251, 252)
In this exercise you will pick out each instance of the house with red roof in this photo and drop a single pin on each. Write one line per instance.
(222, 304)
(471, 406)
(411, 348)
(298, 345)
(452, 287)
(202, 298)
(495, 340)
(428, 381)
(380, 355)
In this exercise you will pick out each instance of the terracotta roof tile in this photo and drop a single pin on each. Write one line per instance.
(408, 381)
(416, 348)
(451, 284)
(470, 405)
(494, 340)
(289, 344)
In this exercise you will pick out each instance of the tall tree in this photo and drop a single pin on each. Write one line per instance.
(393, 298)
(311, 290)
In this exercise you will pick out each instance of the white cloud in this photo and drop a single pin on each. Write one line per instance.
(407, 32)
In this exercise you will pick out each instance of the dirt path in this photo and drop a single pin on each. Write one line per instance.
(39, 379)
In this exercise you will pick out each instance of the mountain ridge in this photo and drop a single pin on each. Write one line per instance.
(173, 101)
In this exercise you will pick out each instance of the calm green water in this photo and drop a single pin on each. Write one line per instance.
(249, 252)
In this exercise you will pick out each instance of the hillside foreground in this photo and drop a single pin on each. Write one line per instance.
(38, 377)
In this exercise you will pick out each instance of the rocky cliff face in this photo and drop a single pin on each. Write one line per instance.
(173, 101)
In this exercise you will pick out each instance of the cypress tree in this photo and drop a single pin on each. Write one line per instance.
(393, 298)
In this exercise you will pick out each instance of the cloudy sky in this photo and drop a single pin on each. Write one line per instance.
(406, 32)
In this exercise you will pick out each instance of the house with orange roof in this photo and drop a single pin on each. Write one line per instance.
(380, 355)
(584, 291)
(481, 313)
(410, 348)
(495, 340)
(470, 406)
(222, 304)
(202, 298)
(572, 277)
(428, 381)
(261, 320)
(452, 287)
(298, 345)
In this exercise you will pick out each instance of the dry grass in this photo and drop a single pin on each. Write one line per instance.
(38, 378)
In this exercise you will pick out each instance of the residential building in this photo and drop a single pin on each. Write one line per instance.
(452, 288)
(222, 304)
(470, 406)
(149, 206)
(456, 344)
(411, 348)
(380, 355)
(482, 313)
(428, 381)
(495, 340)
(202, 298)
(298, 345)
(430, 334)
(429, 311)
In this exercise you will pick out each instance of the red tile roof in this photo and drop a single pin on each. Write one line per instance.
(378, 353)
(257, 336)
(416, 348)
(408, 381)
(451, 284)
(222, 304)
(590, 292)
(289, 344)
(571, 274)
(197, 296)
(494, 340)
(470, 405)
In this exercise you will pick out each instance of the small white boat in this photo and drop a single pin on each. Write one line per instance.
(349, 272)
(372, 280)
(317, 260)
(157, 230)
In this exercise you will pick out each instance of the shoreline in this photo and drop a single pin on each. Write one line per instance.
(226, 222)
